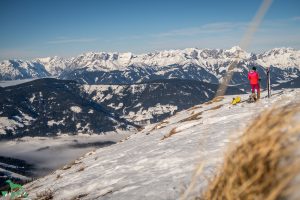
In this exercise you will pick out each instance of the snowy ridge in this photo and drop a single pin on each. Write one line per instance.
(18, 69)
(133, 67)
(280, 57)
(157, 162)
(120, 61)
(54, 65)
(208, 65)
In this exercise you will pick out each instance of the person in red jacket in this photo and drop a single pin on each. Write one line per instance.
(253, 77)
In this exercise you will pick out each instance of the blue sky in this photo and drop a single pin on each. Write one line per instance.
(40, 28)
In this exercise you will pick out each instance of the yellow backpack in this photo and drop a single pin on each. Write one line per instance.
(236, 100)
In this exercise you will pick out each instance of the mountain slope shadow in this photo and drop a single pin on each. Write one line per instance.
(50, 106)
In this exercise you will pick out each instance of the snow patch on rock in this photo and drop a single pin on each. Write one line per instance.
(76, 109)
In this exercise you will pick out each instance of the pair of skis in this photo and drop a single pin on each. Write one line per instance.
(269, 81)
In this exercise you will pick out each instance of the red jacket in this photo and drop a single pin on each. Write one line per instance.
(253, 77)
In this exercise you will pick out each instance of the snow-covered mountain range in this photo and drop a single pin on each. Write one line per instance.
(207, 65)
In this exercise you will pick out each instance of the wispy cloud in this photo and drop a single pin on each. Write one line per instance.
(206, 28)
(224, 25)
(63, 40)
(211, 28)
(296, 18)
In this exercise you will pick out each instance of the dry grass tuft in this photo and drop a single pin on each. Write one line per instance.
(45, 195)
(216, 99)
(172, 132)
(193, 117)
(78, 197)
(196, 116)
(58, 176)
(194, 108)
(215, 108)
(68, 166)
(32, 187)
(159, 125)
(126, 138)
(140, 128)
(81, 169)
(264, 163)
(89, 154)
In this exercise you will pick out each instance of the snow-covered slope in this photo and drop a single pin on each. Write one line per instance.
(159, 161)
(194, 64)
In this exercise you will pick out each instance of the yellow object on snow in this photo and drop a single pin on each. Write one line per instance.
(236, 100)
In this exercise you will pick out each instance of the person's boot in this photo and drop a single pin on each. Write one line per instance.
(252, 98)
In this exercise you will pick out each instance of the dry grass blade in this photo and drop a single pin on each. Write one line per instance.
(215, 108)
(172, 132)
(81, 169)
(193, 117)
(194, 108)
(159, 126)
(44, 195)
(264, 162)
(193, 182)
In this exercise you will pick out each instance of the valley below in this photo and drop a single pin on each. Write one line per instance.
(25, 159)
